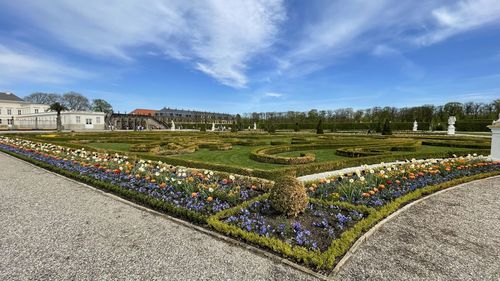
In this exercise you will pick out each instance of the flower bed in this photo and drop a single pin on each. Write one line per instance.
(374, 188)
(340, 209)
(203, 192)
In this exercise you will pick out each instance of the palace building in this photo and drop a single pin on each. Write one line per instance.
(12, 108)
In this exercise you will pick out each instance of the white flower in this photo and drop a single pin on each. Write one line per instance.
(351, 180)
(382, 172)
(389, 169)
(141, 169)
(211, 173)
(362, 179)
(372, 171)
(231, 177)
(157, 174)
(210, 190)
(358, 173)
(179, 182)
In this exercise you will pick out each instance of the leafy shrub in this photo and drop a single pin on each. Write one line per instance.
(288, 196)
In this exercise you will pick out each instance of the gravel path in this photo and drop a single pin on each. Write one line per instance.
(52, 228)
(454, 235)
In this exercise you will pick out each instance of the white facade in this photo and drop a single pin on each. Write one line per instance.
(495, 140)
(71, 120)
(11, 110)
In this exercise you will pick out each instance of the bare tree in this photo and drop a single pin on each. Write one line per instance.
(75, 101)
(43, 98)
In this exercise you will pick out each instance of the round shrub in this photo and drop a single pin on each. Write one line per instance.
(288, 196)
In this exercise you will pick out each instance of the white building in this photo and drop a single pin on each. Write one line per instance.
(15, 113)
(71, 120)
(13, 107)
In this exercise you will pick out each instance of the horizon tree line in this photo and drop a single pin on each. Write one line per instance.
(72, 101)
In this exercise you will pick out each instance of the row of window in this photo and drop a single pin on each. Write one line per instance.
(9, 121)
(19, 111)
(88, 121)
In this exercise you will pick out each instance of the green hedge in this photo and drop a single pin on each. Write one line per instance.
(339, 247)
(131, 195)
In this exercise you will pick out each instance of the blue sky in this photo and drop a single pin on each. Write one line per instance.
(250, 55)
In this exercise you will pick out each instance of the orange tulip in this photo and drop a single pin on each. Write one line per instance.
(210, 198)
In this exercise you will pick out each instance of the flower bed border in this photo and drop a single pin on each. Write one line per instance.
(326, 260)
(134, 196)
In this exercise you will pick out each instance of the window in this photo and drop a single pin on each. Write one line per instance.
(78, 120)
(9, 121)
(0, 121)
(36, 110)
(88, 121)
(0, 111)
(18, 112)
(98, 120)
(9, 111)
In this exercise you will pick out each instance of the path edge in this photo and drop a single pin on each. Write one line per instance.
(361, 240)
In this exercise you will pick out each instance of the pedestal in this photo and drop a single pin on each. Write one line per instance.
(451, 130)
(495, 143)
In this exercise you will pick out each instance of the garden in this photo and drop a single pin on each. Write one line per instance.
(258, 198)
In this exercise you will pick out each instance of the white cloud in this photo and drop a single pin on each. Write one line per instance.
(461, 17)
(217, 37)
(338, 29)
(18, 66)
(273, 94)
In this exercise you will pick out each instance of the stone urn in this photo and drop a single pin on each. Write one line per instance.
(495, 140)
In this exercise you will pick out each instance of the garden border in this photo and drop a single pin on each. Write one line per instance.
(184, 223)
(367, 235)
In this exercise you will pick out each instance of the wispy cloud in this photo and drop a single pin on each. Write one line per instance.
(17, 66)
(461, 17)
(273, 94)
(218, 38)
(339, 29)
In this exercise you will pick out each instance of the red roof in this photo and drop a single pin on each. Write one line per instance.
(140, 111)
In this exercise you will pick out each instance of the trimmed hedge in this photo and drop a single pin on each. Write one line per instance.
(339, 247)
(131, 195)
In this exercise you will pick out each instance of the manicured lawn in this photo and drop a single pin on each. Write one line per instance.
(322, 155)
(238, 156)
(111, 145)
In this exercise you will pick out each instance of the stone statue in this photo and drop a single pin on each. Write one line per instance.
(451, 125)
(213, 126)
(254, 126)
(172, 127)
(415, 126)
(497, 121)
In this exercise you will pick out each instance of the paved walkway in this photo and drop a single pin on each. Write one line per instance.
(52, 228)
(454, 235)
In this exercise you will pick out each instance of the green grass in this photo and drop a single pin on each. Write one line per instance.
(322, 155)
(110, 145)
(238, 156)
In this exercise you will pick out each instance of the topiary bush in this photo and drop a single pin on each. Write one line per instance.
(288, 196)
(319, 128)
(387, 130)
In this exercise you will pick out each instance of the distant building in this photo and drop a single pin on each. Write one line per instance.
(192, 116)
(13, 107)
(146, 112)
(71, 120)
(15, 113)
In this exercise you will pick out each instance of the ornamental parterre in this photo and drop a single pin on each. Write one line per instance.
(202, 191)
(375, 188)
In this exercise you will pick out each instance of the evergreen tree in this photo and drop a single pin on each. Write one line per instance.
(387, 130)
(319, 128)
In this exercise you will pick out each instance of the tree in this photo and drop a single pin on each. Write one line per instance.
(43, 98)
(75, 101)
(297, 127)
(57, 107)
(319, 128)
(100, 105)
(387, 130)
